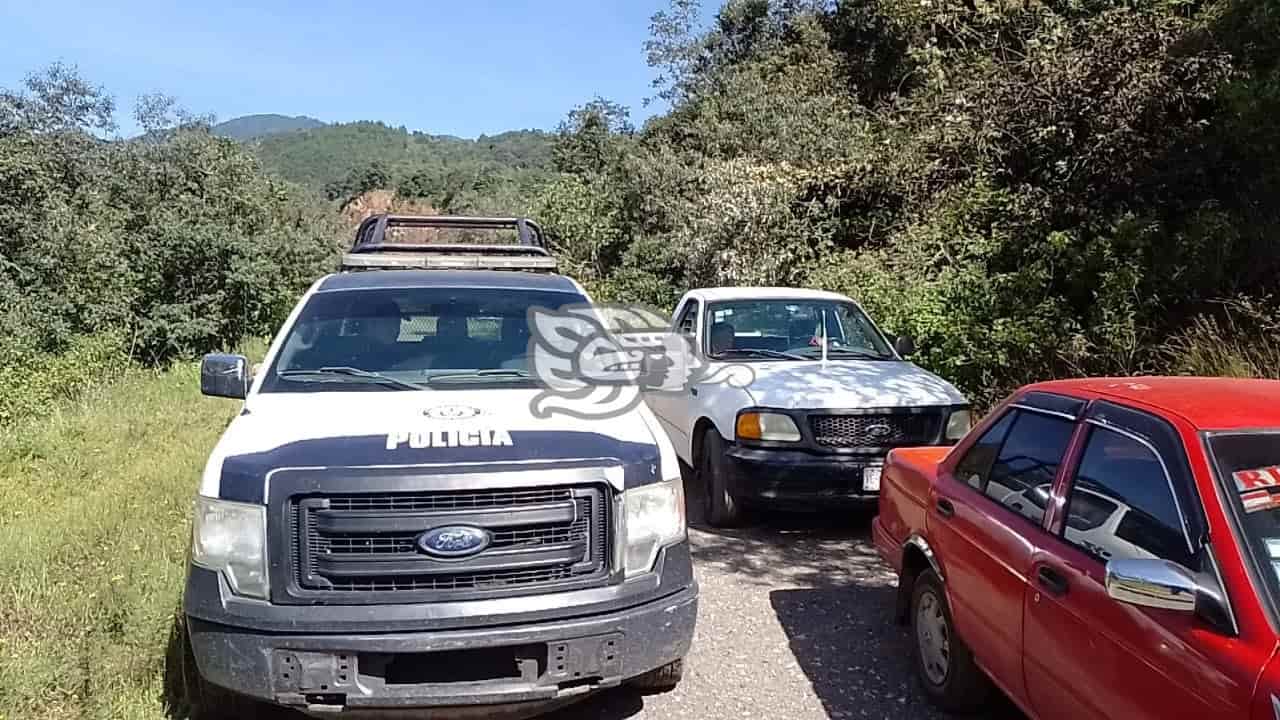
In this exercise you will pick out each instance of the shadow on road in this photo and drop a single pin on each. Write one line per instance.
(847, 645)
(854, 654)
(819, 549)
(616, 704)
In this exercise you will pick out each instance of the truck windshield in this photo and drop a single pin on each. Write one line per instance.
(792, 330)
(1248, 464)
(410, 339)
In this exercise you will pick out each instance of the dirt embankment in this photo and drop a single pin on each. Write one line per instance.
(374, 202)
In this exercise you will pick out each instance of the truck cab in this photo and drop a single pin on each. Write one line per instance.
(802, 398)
(1097, 548)
(387, 526)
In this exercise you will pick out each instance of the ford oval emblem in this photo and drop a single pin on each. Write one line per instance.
(452, 412)
(879, 430)
(454, 541)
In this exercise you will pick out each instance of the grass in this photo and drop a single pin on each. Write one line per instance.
(1241, 340)
(94, 529)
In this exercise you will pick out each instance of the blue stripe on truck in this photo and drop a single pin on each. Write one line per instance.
(244, 476)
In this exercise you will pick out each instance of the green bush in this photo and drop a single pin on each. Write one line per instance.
(176, 241)
(31, 382)
(1032, 190)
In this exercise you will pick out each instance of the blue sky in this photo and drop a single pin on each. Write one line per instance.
(460, 68)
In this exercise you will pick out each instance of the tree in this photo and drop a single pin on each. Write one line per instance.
(358, 181)
(675, 48)
(592, 137)
(1032, 189)
(157, 113)
(57, 100)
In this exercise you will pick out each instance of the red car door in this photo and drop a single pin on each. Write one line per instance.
(987, 510)
(1088, 656)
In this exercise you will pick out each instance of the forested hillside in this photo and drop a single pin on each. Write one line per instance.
(1032, 189)
(454, 174)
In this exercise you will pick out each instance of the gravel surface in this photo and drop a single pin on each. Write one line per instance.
(794, 621)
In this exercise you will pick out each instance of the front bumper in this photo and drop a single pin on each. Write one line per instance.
(382, 659)
(800, 480)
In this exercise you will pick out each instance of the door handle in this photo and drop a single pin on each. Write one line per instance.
(945, 508)
(1051, 581)
(693, 391)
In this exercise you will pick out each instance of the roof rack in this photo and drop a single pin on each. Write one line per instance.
(372, 251)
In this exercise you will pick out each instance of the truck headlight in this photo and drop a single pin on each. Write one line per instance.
(767, 426)
(654, 520)
(958, 424)
(231, 537)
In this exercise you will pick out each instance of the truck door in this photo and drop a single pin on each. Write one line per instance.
(674, 409)
(988, 513)
(1130, 495)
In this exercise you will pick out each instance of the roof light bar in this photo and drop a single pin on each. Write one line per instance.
(372, 251)
(432, 261)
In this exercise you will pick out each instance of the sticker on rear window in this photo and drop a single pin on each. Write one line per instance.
(1256, 500)
(1267, 477)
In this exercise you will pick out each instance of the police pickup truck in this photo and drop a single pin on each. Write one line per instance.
(388, 526)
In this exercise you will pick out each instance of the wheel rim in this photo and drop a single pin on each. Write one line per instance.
(933, 635)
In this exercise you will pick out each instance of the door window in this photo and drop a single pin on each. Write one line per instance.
(976, 464)
(1022, 476)
(1121, 503)
(688, 322)
(1016, 460)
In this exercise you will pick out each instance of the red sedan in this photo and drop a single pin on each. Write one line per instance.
(1101, 548)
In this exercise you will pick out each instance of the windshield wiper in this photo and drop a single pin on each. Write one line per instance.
(500, 373)
(846, 352)
(866, 354)
(345, 372)
(757, 352)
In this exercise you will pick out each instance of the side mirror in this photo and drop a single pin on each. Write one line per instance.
(223, 375)
(1152, 583)
(904, 345)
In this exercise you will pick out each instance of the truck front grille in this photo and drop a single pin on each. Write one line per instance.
(541, 540)
(875, 430)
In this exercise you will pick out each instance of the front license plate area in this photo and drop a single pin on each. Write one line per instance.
(871, 478)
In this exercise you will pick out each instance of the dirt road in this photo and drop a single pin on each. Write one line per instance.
(795, 622)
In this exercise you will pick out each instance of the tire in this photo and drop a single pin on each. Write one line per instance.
(220, 704)
(660, 680)
(721, 508)
(943, 663)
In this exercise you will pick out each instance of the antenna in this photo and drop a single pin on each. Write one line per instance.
(824, 336)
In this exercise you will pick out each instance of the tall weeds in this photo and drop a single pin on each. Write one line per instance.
(1241, 339)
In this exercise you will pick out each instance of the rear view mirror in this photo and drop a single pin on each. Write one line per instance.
(1153, 583)
(223, 375)
(904, 345)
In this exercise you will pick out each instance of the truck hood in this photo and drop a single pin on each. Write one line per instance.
(405, 429)
(848, 384)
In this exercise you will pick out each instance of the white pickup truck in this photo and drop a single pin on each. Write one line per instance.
(824, 398)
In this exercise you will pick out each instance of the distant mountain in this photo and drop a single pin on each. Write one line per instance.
(252, 127)
(418, 164)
